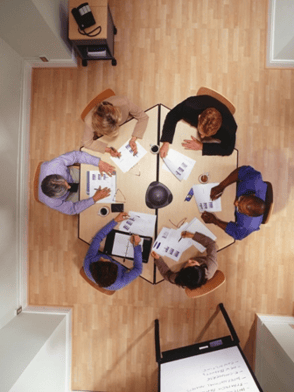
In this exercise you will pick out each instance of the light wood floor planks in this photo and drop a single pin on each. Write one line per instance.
(166, 50)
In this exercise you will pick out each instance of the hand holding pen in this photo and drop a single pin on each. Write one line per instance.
(113, 152)
(186, 234)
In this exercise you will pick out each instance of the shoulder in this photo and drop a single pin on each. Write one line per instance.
(248, 172)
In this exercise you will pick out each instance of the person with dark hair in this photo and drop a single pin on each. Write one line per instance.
(194, 272)
(215, 124)
(105, 119)
(58, 183)
(249, 203)
(105, 271)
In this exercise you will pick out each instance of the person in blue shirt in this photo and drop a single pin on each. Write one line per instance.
(249, 203)
(105, 271)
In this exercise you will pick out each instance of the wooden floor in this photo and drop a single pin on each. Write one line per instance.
(166, 50)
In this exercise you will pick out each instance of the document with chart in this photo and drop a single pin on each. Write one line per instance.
(95, 180)
(178, 164)
(203, 200)
(127, 159)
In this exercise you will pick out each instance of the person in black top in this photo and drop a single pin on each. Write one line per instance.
(215, 124)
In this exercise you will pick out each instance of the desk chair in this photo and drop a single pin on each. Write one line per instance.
(100, 97)
(36, 182)
(216, 281)
(269, 202)
(101, 289)
(218, 96)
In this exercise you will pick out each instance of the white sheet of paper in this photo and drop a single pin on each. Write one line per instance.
(127, 159)
(219, 371)
(196, 225)
(167, 244)
(139, 223)
(122, 245)
(203, 200)
(178, 164)
(95, 179)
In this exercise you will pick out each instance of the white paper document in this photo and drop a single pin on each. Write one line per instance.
(178, 164)
(127, 159)
(122, 246)
(203, 200)
(139, 223)
(168, 244)
(95, 179)
(196, 225)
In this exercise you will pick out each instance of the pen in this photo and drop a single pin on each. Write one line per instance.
(180, 239)
(113, 149)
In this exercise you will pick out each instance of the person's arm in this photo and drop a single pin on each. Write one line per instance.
(142, 120)
(224, 148)
(171, 120)
(211, 257)
(217, 191)
(208, 217)
(163, 268)
(95, 244)
(129, 275)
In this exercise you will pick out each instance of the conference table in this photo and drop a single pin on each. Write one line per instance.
(132, 187)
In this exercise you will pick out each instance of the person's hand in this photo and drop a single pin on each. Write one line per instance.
(113, 152)
(101, 193)
(208, 217)
(106, 167)
(187, 234)
(164, 150)
(135, 240)
(155, 255)
(216, 192)
(193, 144)
(121, 217)
(133, 145)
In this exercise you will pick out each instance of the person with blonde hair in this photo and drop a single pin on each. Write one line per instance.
(106, 117)
(214, 122)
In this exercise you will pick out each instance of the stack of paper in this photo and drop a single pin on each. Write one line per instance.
(170, 243)
(139, 223)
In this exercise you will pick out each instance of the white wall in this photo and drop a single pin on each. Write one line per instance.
(34, 353)
(280, 43)
(32, 33)
(11, 72)
(55, 13)
(274, 366)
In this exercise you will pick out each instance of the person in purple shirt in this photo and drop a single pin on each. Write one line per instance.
(249, 203)
(56, 181)
(105, 271)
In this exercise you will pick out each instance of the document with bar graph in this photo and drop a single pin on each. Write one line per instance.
(96, 180)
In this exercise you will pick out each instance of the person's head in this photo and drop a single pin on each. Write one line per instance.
(250, 205)
(104, 272)
(106, 119)
(209, 122)
(192, 275)
(54, 186)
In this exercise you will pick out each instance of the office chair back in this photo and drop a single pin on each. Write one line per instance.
(95, 286)
(212, 284)
(100, 97)
(218, 96)
(269, 202)
(36, 181)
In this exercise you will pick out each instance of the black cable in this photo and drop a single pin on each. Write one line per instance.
(90, 32)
